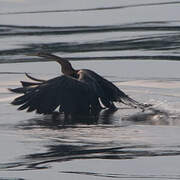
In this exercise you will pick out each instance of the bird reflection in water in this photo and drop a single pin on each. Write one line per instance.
(104, 117)
(64, 141)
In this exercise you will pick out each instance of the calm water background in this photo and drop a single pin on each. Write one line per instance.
(133, 43)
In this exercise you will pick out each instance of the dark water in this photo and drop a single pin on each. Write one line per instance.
(136, 45)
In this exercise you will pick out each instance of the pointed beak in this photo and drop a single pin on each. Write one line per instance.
(36, 54)
(49, 56)
(43, 55)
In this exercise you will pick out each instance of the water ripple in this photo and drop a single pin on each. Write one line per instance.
(162, 45)
(94, 9)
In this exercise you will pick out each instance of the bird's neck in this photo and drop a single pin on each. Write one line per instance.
(68, 70)
(66, 67)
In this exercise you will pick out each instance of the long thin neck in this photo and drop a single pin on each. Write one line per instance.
(66, 66)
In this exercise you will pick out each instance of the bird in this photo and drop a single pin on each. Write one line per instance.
(74, 92)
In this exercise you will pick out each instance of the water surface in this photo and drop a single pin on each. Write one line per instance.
(135, 44)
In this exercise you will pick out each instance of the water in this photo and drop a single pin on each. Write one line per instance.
(132, 43)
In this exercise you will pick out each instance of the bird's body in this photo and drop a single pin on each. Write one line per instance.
(74, 92)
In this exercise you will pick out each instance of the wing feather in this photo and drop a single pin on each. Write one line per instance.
(109, 93)
(69, 93)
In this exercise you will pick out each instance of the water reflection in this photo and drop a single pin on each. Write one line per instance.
(105, 117)
(152, 33)
(68, 152)
(155, 40)
(123, 175)
(60, 122)
(94, 9)
(11, 178)
(63, 145)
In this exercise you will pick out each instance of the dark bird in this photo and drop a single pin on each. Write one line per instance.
(74, 92)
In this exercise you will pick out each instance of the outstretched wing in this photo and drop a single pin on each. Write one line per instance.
(71, 94)
(110, 93)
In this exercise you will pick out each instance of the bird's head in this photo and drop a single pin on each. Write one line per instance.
(66, 66)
